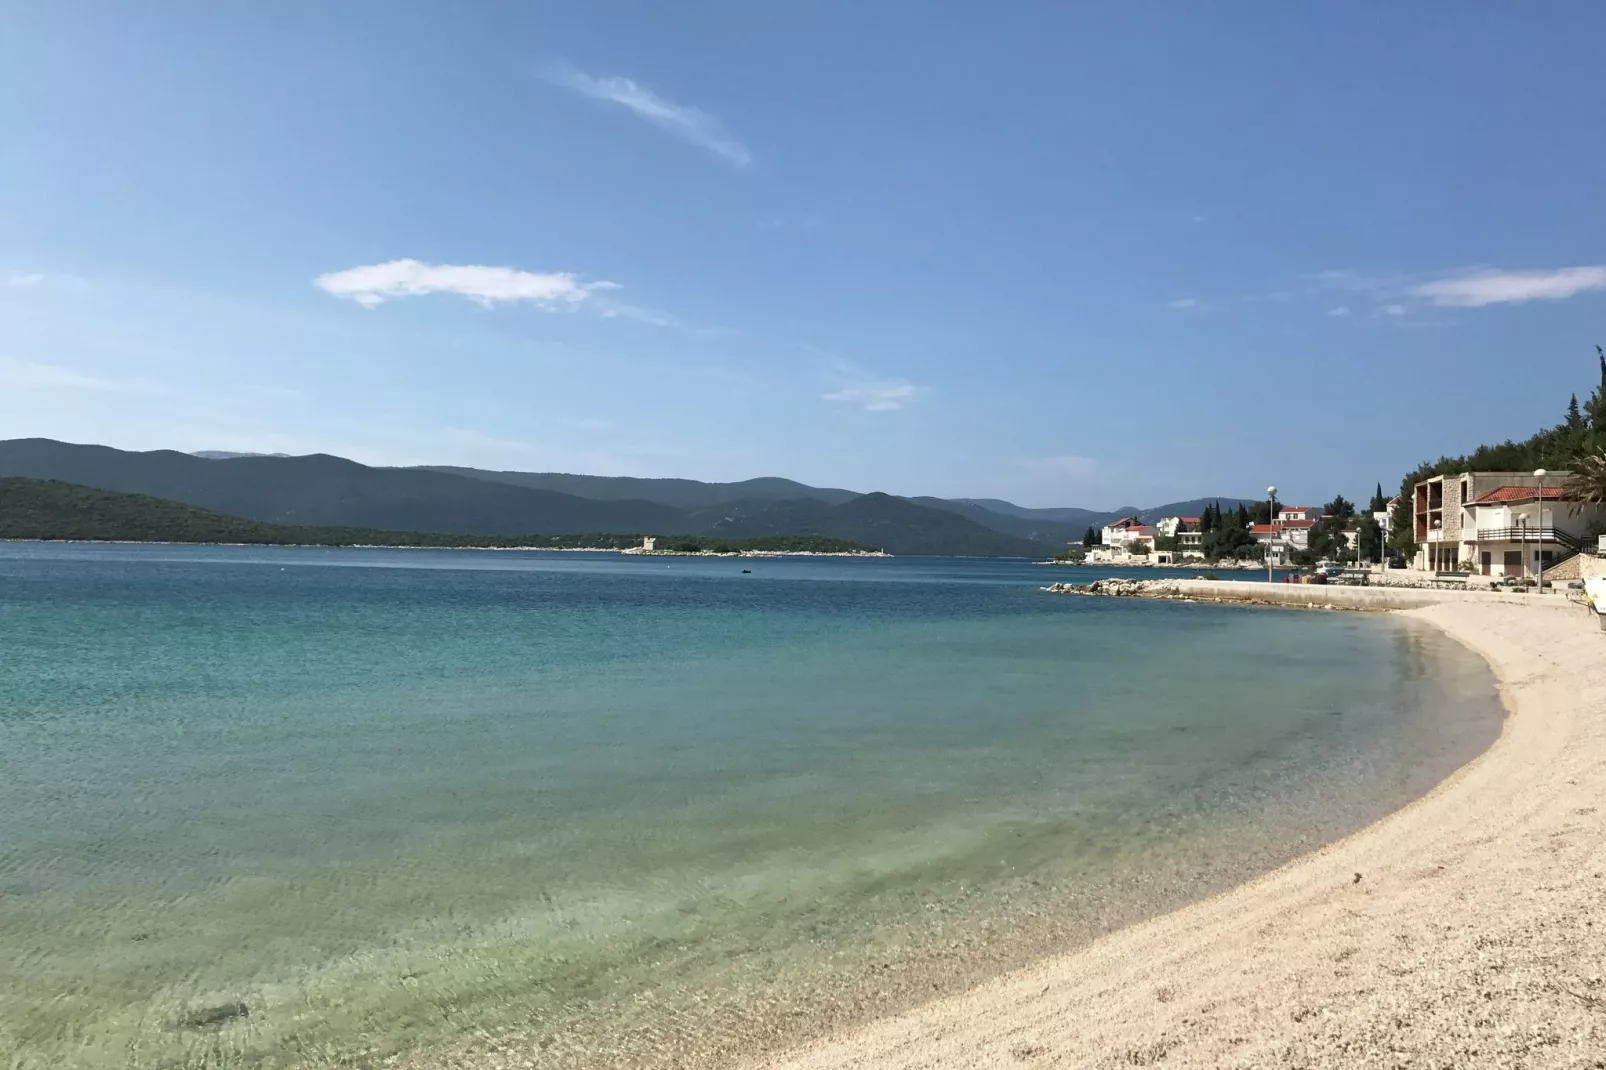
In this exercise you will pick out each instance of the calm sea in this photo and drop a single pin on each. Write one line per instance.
(470, 808)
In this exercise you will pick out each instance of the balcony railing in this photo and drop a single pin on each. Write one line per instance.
(1520, 534)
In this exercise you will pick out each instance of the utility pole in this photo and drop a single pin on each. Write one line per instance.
(1271, 518)
(1522, 526)
(1539, 476)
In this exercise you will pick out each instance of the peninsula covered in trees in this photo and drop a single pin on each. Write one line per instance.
(43, 509)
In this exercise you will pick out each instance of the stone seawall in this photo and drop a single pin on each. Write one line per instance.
(1314, 595)
(1299, 595)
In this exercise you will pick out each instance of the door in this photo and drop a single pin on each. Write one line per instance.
(1513, 563)
(1483, 562)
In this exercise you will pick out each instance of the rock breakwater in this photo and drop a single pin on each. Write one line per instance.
(1116, 587)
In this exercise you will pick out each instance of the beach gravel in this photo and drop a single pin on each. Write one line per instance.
(1467, 930)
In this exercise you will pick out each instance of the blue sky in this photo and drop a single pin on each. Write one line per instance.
(1060, 254)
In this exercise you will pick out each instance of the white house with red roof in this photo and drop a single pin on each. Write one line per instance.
(1120, 532)
(1298, 512)
(1513, 530)
(1186, 530)
(1501, 524)
(1271, 537)
(1170, 526)
(1296, 532)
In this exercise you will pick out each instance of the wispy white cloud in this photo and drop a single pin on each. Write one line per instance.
(1185, 304)
(26, 373)
(1476, 289)
(1381, 295)
(874, 396)
(1356, 281)
(56, 280)
(610, 309)
(373, 285)
(651, 317)
(682, 120)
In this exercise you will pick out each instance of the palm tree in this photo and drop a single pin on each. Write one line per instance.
(1586, 484)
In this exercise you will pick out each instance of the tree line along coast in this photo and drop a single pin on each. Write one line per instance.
(51, 510)
(1570, 455)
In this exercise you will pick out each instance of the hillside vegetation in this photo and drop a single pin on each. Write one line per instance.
(331, 492)
(53, 510)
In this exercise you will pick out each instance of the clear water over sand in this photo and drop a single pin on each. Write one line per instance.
(584, 810)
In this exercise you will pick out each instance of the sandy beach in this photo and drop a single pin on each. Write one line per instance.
(1466, 930)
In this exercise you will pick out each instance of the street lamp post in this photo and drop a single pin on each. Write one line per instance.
(1522, 531)
(1539, 476)
(1271, 518)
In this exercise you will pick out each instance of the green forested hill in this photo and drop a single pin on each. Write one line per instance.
(51, 509)
(678, 493)
(896, 524)
(332, 492)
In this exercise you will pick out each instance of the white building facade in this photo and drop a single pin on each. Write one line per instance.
(1497, 524)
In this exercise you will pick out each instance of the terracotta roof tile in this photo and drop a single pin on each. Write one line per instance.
(1517, 494)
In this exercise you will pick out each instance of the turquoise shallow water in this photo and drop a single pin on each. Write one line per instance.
(594, 810)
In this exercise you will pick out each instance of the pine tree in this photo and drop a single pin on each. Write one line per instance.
(1597, 404)
(1243, 516)
(1090, 538)
(1379, 502)
(1340, 508)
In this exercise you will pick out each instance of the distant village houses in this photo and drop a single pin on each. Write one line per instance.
(1129, 538)
(1288, 534)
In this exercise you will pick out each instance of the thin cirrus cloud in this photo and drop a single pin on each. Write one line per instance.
(873, 396)
(377, 283)
(1479, 288)
(25, 278)
(610, 309)
(692, 125)
(27, 373)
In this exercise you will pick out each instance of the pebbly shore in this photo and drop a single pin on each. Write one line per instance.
(1466, 930)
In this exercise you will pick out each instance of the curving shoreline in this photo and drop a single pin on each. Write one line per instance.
(1466, 929)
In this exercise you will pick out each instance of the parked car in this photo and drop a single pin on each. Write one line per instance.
(1396, 559)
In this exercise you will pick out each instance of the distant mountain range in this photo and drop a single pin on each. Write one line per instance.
(330, 491)
(1051, 527)
(48, 509)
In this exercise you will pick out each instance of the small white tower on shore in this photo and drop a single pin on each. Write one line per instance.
(649, 542)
